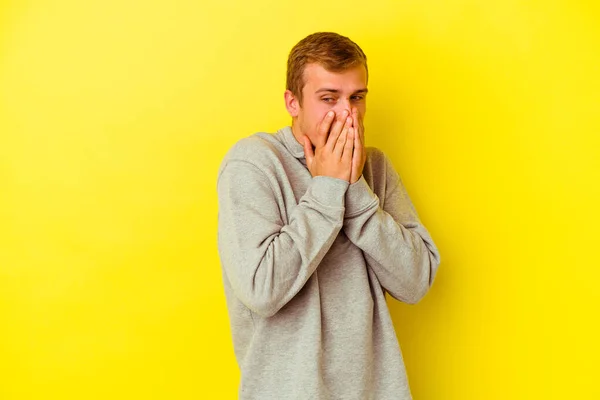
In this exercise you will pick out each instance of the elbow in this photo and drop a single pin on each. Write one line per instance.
(263, 300)
(417, 286)
(419, 290)
(261, 292)
(265, 308)
(428, 266)
(411, 292)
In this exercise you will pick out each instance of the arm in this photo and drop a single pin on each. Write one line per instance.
(266, 261)
(397, 247)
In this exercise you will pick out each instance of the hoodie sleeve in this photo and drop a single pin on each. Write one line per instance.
(396, 245)
(268, 261)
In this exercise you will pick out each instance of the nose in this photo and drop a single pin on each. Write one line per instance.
(343, 104)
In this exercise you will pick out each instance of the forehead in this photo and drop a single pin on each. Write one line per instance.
(317, 77)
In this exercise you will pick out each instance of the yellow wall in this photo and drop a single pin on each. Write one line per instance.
(114, 116)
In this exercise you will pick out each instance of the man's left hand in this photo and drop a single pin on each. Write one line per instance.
(359, 155)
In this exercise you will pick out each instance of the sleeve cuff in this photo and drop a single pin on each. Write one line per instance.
(359, 198)
(328, 191)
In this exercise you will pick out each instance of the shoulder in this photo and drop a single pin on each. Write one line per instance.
(375, 153)
(252, 148)
(258, 151)
(379, 171)
(378, 160)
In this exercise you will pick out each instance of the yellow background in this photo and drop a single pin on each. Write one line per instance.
(114, 116)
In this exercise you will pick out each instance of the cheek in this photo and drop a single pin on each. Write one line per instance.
(317, 114)
(362, 108)
(361, 112)
(313, 114)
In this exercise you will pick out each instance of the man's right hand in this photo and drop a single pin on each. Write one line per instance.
(332, 155)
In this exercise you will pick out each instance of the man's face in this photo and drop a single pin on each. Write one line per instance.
(324, 91)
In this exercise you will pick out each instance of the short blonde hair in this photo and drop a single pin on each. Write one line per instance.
(334, 52)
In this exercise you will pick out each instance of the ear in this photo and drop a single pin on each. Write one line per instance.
(291, 103)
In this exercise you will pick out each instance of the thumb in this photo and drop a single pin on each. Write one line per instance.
(308, 150)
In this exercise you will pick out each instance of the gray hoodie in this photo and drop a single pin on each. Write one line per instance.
(306, 264)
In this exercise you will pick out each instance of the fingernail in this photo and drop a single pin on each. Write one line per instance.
(330, 114)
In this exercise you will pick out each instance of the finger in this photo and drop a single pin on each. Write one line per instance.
(343, 138)
(349, 146)
(358, 150)
(336, 130)
(359, 141)
(358, 124)
(308, 151)
(362, 133)
(323, 129)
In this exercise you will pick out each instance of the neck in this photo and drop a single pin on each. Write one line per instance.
(298, 134)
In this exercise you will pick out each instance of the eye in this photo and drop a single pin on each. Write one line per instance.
(328, 99)
(357, 98)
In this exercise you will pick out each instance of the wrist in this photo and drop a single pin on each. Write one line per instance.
(355, 179)
(359, 198)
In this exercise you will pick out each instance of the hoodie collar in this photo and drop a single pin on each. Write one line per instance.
(290, 142)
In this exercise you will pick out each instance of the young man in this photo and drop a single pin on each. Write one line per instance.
(314, 229)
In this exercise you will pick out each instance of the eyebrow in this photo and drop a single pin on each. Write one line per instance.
(365, 90)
